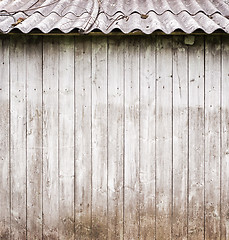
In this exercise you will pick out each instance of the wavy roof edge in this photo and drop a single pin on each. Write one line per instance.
(89, 16)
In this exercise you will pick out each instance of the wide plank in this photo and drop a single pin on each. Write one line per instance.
(212, 136)
(83, 165)
(147, 137)
(99, 138)
(196, 141)
(180, 138)
(115, 136)
(34, 138)
(66, 138)
(50, 138)
(225, 140)
(18, 137)
(164, 138)
(131, 162)
(4, 140)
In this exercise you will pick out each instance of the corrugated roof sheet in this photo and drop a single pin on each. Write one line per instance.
(107, 15)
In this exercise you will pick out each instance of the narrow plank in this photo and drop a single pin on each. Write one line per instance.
(18, 136)
(131, 163)
(212, 137)
(99, 138)
(115, 137)
(4, 141)
(50, 138)
(180, 138)
(66, 138)
(34, 138)
(83, 138)
(196, 141)
(147, 138)
(164, 138)
(225, 141)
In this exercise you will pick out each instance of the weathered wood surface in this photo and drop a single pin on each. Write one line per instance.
(131, 158)
(212, 137)
(225, 141)
(34, 138)
(83, 165)
(50, 138)
(18, 138)
(99, 138)
(196, 140)
(180, 139)
(115, 143)
(66, 138)
(114, 138)
(147, 138)
(164, 124)
(4, 141)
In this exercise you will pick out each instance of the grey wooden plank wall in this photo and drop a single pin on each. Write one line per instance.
(114, 137)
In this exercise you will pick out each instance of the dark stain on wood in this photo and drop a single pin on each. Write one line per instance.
(4, 235)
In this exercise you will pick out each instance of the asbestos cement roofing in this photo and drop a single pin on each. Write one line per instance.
(109, 15)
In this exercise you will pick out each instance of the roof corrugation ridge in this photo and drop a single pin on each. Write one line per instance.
(49, 6)
(15, 5)
(192, 6)
(201, 11)
(55, 23)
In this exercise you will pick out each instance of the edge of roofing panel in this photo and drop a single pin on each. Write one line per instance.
(114, 32)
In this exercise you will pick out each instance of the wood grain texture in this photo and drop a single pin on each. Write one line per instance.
(147, 138)
(180, 138)
(66, 138)
(50, 138)
(225, 141)
(131, 163)
(114, 137)
(18, 137)
(196, 140)
(212, 136)
(116, 48)
(99, 138)
(4, 141)
(34, 138)
(83, 171)
(164, 138)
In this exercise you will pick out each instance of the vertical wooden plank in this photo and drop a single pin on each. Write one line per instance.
(225, 141)
(4, 140)
(83, 138)
(99, 138)
(18, 137)
(66, 138)
(196, 140)
(212, 137)
(50, 137)
(147, 138)
(180, 138)
(115, 137)
(164, 138)
(34, 138)
(131, 167)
